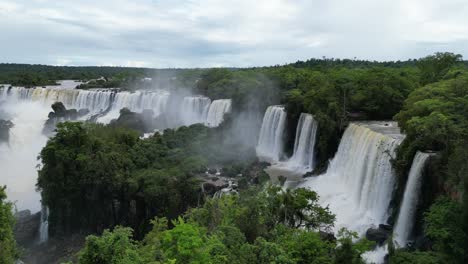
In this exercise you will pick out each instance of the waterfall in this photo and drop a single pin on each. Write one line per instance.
(18, 158)
(406, 217)
(270, 141)
(28, 109)
(360, 179)
(44, 227)
(216, 112)
(137, 102)
(194, 110)
(304, 144)
(96, 100)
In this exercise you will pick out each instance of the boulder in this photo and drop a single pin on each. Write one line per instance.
(378, 235)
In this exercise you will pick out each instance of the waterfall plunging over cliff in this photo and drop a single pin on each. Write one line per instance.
(44, 227)
(137, 102)
(304, 145)
(216, 112)
(270, 141)
(28, 110)
(194, 110)
(406, 217)
(359, 181)
(18, 158)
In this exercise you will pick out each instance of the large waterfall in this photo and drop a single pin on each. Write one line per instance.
(18, 158)
(304, 145)
(216, 112)
(270, 141)
(109, 102)
(406, 216)
(359, 181)
(28, 109)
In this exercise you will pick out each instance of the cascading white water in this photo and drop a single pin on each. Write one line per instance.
(44, 227)
(18, 158)
(137, 102)
(218, 109)
(304, 145)
(194, 110)
(359, 181)
(270, 141)
(405, 222)
(28, 109)
(96, 101)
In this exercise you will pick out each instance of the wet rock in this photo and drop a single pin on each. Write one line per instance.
(60, 114)
(378, 235)
(5, 126)
(27, 227)
(130, 120)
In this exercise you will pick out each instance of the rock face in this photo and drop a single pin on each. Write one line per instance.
(27, 227)
(60, 114)
(5, 126)
(380, 234)
(134, 120)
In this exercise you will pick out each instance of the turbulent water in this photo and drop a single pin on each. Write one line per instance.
(359, 181)
(304, 145)
(28, 110)
(270, 141)
(18, 158)
(405, 222)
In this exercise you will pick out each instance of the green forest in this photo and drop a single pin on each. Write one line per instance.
(139, 200)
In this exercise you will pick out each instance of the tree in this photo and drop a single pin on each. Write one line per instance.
(116, 247)
(8, 252)
(444, 225)
(434, 67)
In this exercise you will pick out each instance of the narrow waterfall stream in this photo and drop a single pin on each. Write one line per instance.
(44, 227)
(270, 141)
(406, 217)
(303, 158)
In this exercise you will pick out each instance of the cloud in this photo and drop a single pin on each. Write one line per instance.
(191, 33)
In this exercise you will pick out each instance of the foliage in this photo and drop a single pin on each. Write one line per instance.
(115, 247)
(416, 257)
(216, 233)
(8, 252)
(348, 251)
(445, 227)
(95, 176)
(434, 67)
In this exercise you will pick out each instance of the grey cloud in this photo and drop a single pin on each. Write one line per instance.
(205, 33)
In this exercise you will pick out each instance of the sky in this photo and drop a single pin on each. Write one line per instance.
(216, 33)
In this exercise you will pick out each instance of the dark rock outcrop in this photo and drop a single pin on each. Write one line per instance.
(380, 234)
(134, 120)
(5, 126)
(27, 227)
(60, 114)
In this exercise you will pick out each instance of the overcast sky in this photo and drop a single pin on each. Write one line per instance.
(206, 33)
